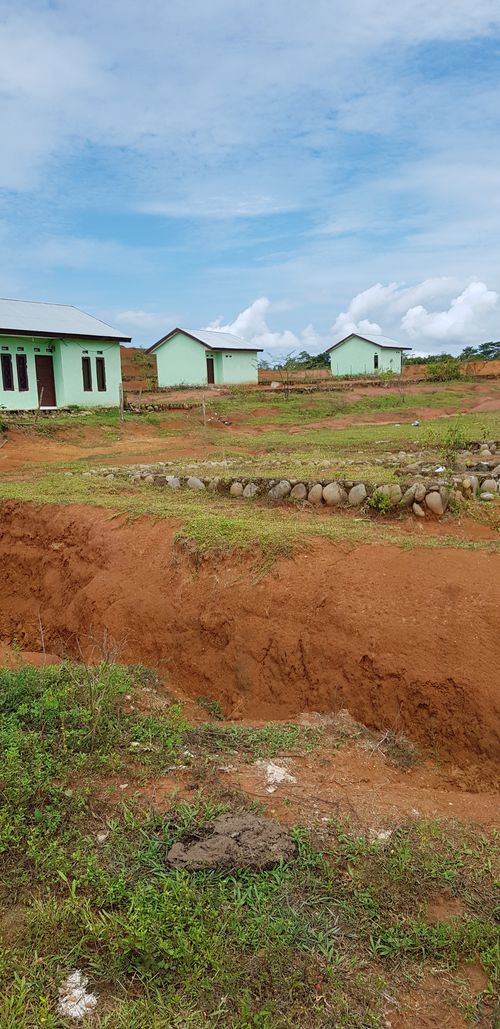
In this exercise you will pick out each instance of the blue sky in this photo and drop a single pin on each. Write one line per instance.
(291, 170)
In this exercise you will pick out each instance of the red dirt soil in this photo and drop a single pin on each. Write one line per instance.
(405, 639)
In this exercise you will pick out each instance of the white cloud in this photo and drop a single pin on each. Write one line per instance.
(469, 317)
(251, 324)
(148, 322)
(467, 320)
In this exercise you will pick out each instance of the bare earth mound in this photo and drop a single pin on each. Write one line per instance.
(405, 639)
(234, 841)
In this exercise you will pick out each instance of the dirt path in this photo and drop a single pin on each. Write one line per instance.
(404, 639)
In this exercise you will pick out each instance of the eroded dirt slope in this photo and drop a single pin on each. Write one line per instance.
(406, 639)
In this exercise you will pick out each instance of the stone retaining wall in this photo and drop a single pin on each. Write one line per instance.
(421, 494)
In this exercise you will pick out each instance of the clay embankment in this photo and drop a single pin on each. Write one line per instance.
(405, 639)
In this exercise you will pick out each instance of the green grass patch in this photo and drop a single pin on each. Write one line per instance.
(256, 742)
(317, 942)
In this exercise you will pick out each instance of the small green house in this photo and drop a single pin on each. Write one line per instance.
(204, 357)
(53, 355)
(366, 355)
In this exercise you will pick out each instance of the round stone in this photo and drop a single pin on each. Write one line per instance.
(471, 483)
(299, 492)
(334, 494)
(315, 494)
(236, 489)
(434, 502)
(280, 490)
(419, 492)
(357, 494)
(195, 483)
(489, 486)
(408, 496)
(250, 490)
(418, 510)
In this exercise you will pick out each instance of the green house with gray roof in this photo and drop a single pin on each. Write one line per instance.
(204, 357)
(358, 354)
(53, 356)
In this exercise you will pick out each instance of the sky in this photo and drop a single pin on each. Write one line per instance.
(292, 170)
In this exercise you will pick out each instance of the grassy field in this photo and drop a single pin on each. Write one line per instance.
(302, 408)
(330, 939)
(298, 450)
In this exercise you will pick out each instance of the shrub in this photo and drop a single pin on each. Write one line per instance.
(380, 501)
(444, 370)
(454, 441)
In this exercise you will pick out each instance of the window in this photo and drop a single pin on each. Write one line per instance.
(87, 374)
(100, 368)
(375, 361)
(7, 372)
(22, 373)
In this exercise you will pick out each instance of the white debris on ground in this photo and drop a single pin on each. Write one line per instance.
(380, 834)
(74, 1001)
(275, 775)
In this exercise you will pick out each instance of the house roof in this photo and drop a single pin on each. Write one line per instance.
(29, 318)
(214, 339)
(376, 338)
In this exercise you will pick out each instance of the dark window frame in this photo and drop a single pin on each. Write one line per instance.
(100, 371)
(7, 373)
(375, 362)
(87, 375)
(23, 384)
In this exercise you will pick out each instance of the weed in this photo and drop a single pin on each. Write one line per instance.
(380, 501)
(453, 441)
(262, 741)
(211, 706)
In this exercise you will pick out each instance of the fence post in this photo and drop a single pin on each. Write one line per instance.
(40, 398)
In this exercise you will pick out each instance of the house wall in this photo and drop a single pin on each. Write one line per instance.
(239, 366)
(355, 357)
(181, 361)
(69, 377)
(67, 362)
(13, 400)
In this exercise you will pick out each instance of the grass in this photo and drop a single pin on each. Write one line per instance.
(316, 943)
(378, 438)
(303, 408)
(209, 523)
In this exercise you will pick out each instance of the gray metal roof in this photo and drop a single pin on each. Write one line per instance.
(213, 338)
(385, 342)
(29, 317)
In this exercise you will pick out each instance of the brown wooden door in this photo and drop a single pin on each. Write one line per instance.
(45, 380)
(210, 371)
